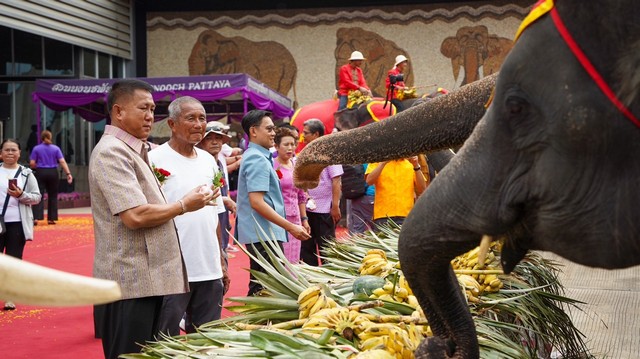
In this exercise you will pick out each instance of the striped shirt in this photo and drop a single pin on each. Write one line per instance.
(146, 261)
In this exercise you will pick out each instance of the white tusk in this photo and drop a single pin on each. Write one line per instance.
(32, 284)
(484, 249)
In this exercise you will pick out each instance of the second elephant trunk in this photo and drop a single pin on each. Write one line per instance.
(444, 122)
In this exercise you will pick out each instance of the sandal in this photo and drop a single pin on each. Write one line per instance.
(51, 222)
(9, 306)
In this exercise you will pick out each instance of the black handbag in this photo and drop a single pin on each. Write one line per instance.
(3, 227)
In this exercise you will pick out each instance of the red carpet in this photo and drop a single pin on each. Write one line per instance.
(57, 333)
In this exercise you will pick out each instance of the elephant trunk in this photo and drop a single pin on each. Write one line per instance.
(443, 122)
(471, 64)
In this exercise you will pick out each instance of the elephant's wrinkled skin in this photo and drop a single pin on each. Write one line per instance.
(553, 165)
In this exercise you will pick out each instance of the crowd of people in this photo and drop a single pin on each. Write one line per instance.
(164, 214)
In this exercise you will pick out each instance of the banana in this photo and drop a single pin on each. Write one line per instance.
(319, 304)
(308, 293)
(377, 251)
(374, 269)
(379, 291)
(372, 262)
(372, 343)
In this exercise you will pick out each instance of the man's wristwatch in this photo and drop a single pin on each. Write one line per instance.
(417, 168)
(304, 218)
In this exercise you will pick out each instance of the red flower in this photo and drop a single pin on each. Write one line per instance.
(161, 173)
(279, 173)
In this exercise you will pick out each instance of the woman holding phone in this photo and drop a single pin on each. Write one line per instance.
(18, 191)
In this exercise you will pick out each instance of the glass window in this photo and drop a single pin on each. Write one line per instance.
(104, 65)
(89, 61)
(58, 58)
(6, 63)
(117, 68)
(28, 54)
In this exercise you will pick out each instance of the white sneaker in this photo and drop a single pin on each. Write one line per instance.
(232, 248)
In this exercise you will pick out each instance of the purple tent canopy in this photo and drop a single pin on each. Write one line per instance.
(222, 95)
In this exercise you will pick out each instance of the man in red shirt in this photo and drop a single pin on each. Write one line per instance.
(351, 79)
(396, 73)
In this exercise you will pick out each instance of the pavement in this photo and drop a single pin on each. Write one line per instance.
(609, 317)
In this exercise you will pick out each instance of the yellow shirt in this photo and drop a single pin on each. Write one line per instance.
(395, 189)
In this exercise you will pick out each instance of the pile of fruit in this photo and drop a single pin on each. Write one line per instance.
(359, 305)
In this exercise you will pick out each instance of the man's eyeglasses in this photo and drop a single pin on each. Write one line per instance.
(268, 128)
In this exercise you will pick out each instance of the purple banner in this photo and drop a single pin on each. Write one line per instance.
(78, 94)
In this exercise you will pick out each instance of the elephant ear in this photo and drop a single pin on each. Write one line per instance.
(450, 48)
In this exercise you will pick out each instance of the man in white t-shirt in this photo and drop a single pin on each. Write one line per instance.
(198, 231)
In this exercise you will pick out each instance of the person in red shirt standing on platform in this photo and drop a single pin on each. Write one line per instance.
(351, 79)
(395, 81)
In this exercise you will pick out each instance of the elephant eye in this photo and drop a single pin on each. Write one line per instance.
(516, 105)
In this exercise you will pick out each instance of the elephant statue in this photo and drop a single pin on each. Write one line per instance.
(552, 164)
(476, 52)
(216, 54)
(379, 52)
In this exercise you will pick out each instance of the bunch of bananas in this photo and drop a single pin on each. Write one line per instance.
(356, 97)
(342, 320)
(312, 300)
(396, 293)
(399, 340)
(375, 263)
(375, 354)
(407, 94)
(476, 282)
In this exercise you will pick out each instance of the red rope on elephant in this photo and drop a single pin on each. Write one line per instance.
(591, 70)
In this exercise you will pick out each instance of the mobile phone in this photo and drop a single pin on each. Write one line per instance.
(13, 183)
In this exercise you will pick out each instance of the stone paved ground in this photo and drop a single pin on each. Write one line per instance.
(610, 319)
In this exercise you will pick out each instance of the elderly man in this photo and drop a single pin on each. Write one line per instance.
(323, 207)
(214, 139)
(136, 243)
(189, 166)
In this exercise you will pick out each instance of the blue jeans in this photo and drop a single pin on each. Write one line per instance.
(342, 102)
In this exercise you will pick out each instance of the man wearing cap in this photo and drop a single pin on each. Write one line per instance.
(214, 139)
(351, 79)
(198, 231)
(397, 74)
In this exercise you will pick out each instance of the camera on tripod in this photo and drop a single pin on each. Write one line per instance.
(395, 78)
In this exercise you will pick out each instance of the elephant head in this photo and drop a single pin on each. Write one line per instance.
(216, 54)
(473, 49)
(552, 165)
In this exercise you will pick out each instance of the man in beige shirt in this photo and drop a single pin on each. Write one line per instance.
(136, 243)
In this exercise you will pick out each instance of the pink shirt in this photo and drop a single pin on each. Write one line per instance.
(323, 194)
(292, 195)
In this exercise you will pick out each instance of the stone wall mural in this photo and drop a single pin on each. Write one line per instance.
(267, 61)
(474, 53)
(298, 52)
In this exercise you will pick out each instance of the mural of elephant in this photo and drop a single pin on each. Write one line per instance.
(552, 164)
(379, 52)
(216, 54)
(474, 52)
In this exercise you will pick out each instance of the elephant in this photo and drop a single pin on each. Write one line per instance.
(475, 51)
(379, 52)
(348, 119)
(552, 164)
(216, 54)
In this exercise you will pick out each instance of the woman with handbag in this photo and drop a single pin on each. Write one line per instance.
(18, 191)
